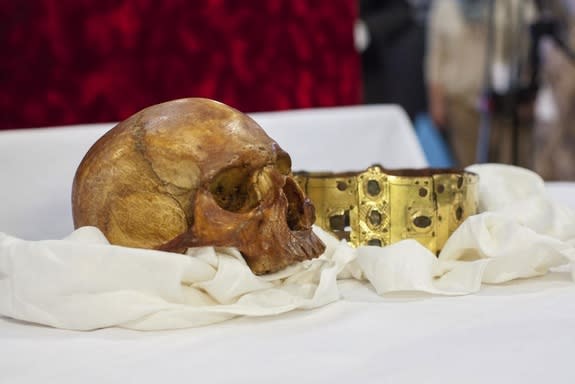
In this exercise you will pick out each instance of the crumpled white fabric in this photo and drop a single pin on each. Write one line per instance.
(82, 282)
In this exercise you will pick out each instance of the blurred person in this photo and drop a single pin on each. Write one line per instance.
(554, 143)
(390, 35)
(470, 50)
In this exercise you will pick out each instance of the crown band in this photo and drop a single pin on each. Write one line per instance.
(379, 206)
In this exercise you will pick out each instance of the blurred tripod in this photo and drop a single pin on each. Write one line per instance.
(524, 73)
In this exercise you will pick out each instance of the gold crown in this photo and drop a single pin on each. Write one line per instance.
(379, 206)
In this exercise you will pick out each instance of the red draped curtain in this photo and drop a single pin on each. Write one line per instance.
(83, 61)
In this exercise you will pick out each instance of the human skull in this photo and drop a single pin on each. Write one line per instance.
(195, 172)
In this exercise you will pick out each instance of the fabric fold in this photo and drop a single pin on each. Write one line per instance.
(82, 282)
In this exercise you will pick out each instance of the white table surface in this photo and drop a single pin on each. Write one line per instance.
(519, 332)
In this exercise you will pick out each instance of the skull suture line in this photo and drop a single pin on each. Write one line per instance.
(195, 172)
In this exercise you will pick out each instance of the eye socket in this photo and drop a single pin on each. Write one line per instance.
(233, 191)
(283, 163)
(295, 209)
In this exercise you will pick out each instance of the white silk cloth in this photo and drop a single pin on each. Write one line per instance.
(82, 282)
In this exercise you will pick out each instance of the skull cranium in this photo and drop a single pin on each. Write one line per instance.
(195, 172)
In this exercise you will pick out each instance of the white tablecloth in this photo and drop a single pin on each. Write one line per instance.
(522, 331)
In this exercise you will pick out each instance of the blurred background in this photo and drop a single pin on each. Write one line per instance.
(481, 80)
